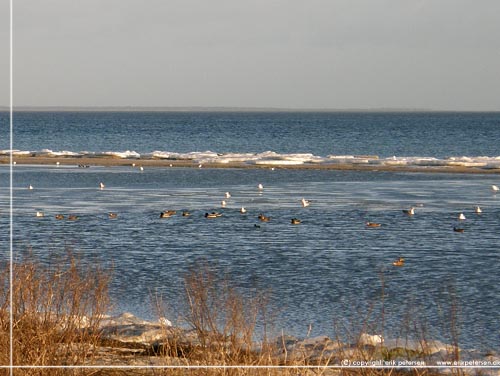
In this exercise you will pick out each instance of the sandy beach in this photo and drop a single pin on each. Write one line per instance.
(113, 161)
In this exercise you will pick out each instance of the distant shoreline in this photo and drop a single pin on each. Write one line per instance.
(228, 109)
(113, 161)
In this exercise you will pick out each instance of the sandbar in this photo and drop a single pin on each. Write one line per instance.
(185, 163)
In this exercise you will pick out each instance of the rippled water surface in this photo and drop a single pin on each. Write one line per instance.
(436, 135)
(328, 270)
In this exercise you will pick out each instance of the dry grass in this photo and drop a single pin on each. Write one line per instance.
(226, 326)
(229, 332)
(50, 306)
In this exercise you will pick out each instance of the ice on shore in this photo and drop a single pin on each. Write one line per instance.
(273, 158)
(125, 155)
(50, 153)
(15, 152)
(369, 339)
(129, 328)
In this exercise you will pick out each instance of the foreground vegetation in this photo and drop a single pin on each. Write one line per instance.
(58, 312)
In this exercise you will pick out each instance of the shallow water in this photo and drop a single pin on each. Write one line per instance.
(324, 271)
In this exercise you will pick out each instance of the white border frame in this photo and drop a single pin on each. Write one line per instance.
(11, 201)
(11, 366)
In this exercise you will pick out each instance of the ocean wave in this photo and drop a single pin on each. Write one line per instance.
(273, 158)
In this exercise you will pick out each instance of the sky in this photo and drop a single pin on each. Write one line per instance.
(337, 54)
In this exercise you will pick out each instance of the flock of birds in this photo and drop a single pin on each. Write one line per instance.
(263, 218)
(411, 211)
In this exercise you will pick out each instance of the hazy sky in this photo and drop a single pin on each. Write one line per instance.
(437, 54)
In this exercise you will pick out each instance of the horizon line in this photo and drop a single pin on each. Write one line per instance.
(227, 109)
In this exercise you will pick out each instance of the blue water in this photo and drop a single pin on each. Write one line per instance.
(383, 134)
(327, 271)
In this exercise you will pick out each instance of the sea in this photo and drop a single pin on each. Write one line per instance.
(329, 275)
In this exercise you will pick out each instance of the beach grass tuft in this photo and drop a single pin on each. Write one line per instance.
(58, 312)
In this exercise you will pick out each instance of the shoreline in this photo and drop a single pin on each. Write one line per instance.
(188, 163)
(146, 341)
